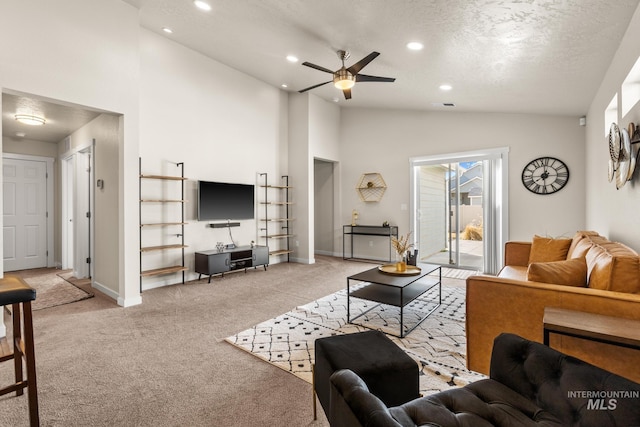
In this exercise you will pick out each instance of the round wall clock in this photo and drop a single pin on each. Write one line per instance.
(545, 175)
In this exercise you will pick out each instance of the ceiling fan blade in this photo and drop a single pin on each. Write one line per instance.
(355, 68)
(347, 93)
(314, 86)
(317, 67)
(366, 78)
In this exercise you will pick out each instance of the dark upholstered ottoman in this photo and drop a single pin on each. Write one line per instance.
(389, 372)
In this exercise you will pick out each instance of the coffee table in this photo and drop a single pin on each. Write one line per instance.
(394, 290)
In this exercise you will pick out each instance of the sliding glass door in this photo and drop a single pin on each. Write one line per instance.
(458, 209)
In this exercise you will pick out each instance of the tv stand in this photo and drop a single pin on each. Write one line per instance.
(213, 262)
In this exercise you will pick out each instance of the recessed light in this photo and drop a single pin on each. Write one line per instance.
(336, 99)
(415, 46)
(284, 85)
(292, 58)
(202, 5)
(29, 119)
(167, 30)
(446, 87)
(21, 134)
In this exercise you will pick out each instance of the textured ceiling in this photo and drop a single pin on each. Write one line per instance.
(529, 56)
(62, 120)
(535, 56)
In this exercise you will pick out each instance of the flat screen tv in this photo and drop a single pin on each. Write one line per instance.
(225, 201)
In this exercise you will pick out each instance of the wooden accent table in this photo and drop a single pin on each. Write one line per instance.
(590, 326)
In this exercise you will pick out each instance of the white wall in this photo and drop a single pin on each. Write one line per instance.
(314, 134)
(383, 141)
(224, 125)
(612, 212)
(83, 52)
(104, 129)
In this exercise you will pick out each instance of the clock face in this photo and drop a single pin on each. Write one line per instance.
(545, 175)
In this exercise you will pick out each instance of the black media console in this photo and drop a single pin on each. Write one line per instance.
(242, 257)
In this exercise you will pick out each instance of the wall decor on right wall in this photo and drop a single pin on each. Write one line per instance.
(623, 153)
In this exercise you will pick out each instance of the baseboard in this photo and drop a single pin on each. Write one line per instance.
(107, 291)
(326, 253)
(129, 302)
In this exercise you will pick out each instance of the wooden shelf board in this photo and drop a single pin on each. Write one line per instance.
(281, 187)
(160, 248)
(164, 177)
(162, 224)
(280, 252)
(163, 270)
(163, 200)
(278, 236)
(277, 219)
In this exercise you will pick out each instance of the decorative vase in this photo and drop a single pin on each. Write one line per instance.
(401, 264)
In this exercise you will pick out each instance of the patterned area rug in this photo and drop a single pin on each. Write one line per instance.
(53, 290)
(438, 344)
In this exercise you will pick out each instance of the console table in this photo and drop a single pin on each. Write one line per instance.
(214, 262)
(590, 326)
(348, 231)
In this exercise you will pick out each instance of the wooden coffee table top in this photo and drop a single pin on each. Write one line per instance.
(598, 327)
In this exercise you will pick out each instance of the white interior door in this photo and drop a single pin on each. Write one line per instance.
(82, 215)
(25, 214)
(68, 170)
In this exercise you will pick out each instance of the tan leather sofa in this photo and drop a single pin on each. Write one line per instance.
(512, 303)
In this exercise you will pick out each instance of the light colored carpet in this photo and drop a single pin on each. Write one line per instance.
(437, 344)
(165, 362)
(52, 289)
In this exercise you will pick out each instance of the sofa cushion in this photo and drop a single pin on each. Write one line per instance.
(572, 272)
(576, 239)
(546, 249)
(514, 272)
(584, 244)
(613, 267)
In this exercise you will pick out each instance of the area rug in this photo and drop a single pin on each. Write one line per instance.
(52, 290)
(438, 344)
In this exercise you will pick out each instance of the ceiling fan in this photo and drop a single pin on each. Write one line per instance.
(344, 78)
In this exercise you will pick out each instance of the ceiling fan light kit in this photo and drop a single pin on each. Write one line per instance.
(346, 77)
(343, 79)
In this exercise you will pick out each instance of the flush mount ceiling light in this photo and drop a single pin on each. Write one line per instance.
(31, 120)
(202, 5)
(446, 87)
(167, 30)
(292, 58)
(415, 46)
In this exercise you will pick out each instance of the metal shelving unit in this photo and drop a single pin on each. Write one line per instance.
(171, 269)
(282, 217)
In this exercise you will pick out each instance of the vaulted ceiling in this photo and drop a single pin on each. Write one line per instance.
(521, 56)
(534, 56)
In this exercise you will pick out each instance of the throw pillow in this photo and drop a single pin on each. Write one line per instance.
(572, 272)
(545, 249)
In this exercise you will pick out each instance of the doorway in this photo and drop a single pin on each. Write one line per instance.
(77, 211)
(451, 222)
(324, 206)
(459, 209)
